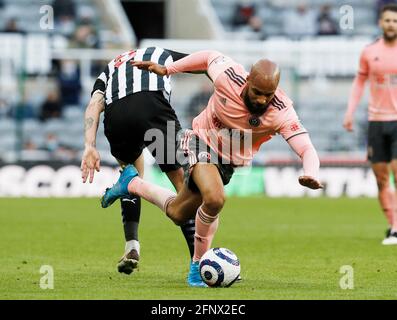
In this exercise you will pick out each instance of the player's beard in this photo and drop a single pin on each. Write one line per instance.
(390, 38)
(254, 109)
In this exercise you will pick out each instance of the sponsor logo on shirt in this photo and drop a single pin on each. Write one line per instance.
(220, 60)
(380, 79)
(217, 123)
(295, 127)
(385, 80)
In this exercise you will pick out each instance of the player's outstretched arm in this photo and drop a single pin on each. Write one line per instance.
(91, 159)
(198, 62)
(304, 148)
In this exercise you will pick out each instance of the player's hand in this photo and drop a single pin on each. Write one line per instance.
(89, 163)
(310, 182)
(348, 123)
(151, 66)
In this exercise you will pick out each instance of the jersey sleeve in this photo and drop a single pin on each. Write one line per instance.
(101, 82)
(211, 62)
(304, 148)
(218, 64)
(291, 126)
(358, 85)
(363, 68)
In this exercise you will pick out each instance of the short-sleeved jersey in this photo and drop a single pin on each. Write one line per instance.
(378, 63)
(120, 78)
(229, 128)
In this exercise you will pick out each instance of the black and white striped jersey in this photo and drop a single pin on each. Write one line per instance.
(120, 78)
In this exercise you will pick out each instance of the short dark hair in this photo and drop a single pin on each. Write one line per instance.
(388, 7)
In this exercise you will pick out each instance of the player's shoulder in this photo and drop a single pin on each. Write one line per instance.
(236, 74)
(373, 45)
(281, 101)
(231, 71)
(228, 75)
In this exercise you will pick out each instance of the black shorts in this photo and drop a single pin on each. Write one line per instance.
(143, 119)
(382, 141)
(191, 150)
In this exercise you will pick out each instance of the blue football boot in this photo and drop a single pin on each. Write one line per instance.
(194, 278)
(120, 188)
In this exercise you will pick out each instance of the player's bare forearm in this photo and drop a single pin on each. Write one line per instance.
(304, 148)
(354, 99)
(91, 159)
(91, 118)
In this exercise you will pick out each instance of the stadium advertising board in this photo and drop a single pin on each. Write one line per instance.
(64, 180)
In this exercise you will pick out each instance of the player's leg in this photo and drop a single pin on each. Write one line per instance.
(124, 133)
(385, 193)
(188, 228)
(177, 207)
(207, 180)
(379, 154)
(131, 211)
(392, 238)
(164, 148)
(183, 206)
(393, 166)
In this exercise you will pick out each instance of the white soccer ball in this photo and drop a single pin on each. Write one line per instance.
(219, 267)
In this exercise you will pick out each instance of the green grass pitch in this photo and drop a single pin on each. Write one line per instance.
(288, 249)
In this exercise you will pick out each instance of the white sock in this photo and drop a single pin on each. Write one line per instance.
(133, 244)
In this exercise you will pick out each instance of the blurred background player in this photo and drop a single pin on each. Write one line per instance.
(244, 105)
(378, 64)
(134, 101)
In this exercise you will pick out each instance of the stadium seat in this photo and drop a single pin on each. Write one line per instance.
(73, 113)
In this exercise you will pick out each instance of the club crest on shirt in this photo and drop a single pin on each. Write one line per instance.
(223, 101)
(204, 156)
(254, 121)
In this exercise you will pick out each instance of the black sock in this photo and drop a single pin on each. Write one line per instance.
(131, 212)
(188, 230)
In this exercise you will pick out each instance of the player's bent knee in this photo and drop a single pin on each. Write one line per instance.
(214, 203)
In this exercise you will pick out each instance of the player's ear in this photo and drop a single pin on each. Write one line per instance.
(380, 20)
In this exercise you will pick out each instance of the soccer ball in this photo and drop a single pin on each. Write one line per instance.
(219, 267)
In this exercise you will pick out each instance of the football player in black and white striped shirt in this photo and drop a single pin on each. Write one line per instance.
(120, 78)
(134, 101)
